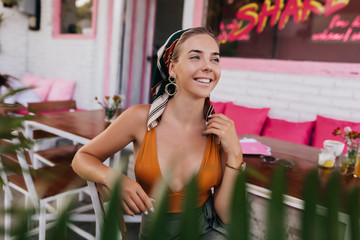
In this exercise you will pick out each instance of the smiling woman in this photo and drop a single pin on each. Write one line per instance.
(196, 63)
(175, 139)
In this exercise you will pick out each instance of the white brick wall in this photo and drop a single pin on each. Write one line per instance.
(292, 97)
(13, 42)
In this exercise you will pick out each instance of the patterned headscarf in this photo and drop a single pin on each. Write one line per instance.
(160, 79)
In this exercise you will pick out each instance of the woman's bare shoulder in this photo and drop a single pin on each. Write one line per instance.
(135, 117)
(138, 113)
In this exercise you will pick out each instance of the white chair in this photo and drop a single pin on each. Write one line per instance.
(42, 188)
(44, 150)
(62, 155)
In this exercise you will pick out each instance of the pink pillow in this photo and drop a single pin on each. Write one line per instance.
(325, 126)
(61, 90)
(41, 86)
(219, 107)
(247, 120)
(296, 132)
(29, 79)
(23, 112)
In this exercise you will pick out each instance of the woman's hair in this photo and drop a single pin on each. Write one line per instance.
(188, 34)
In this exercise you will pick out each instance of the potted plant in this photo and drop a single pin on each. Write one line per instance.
(110, 106)
(9, 3)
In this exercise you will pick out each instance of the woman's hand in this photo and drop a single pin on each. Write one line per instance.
(134, 198)
(224, 128)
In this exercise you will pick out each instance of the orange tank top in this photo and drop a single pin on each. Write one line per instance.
(147, 171)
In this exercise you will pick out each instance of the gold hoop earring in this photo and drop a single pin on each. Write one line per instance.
(171, 88)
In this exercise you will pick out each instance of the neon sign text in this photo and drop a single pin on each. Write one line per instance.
(250, 16)
(347, 34)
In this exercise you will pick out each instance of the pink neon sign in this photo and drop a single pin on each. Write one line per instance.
(252, 16)
(350, 30)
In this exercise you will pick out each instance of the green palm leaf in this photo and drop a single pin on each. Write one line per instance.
(309, 215)
(12, 93)
(111, 226)
(275, 215)
(190, 224)
(333, 202)
(60, 231)
(158, 218)
(353, 212)
(238, 227)
(21, 231)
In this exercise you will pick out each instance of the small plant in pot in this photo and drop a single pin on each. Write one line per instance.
(9, 3)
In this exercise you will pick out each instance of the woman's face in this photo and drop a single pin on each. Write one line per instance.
(197, 70)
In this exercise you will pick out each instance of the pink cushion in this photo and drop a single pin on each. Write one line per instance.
(296, 132)
(247, 120)
(23, 112)
(41, 86)
(219, 107)
(61, 90)
(325, 126)
(29, 79)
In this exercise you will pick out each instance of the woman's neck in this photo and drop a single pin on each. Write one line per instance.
(185, 111)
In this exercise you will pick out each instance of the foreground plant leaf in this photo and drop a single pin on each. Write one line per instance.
(9, 123)
(309, 215)
(111, 226)
(158, 218)
(275, 215)
(190, 224)
(238, 227)
(353, 211)
(11, 93)
(60, 231)
(333, 203)
(252, 172)
(24, 217)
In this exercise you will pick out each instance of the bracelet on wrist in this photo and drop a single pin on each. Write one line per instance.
(241, 168)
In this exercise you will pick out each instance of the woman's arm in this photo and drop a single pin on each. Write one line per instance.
(231, 155)
(130, 126)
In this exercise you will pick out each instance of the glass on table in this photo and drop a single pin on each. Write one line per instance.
(327, 158)
(357, 166)
(336, 146)
(344, 166)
